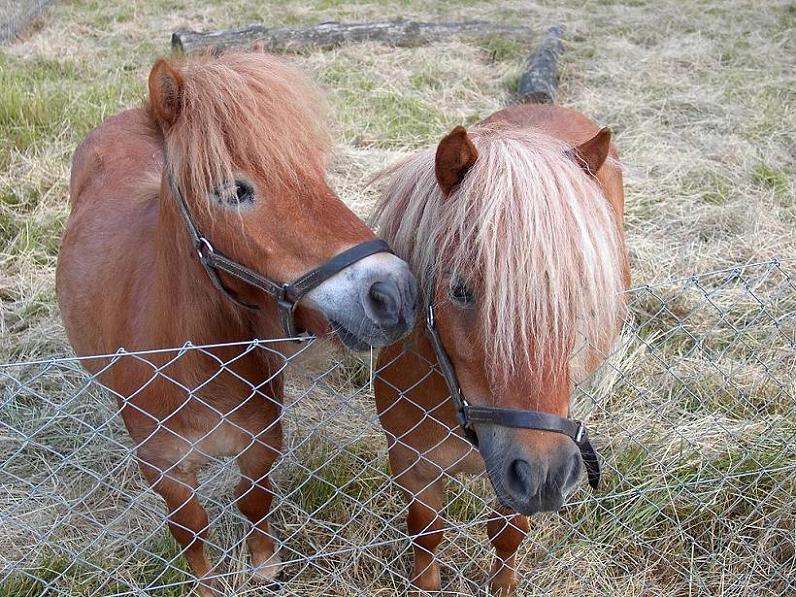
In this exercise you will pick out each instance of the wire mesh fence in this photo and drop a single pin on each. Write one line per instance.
(693, 415)
(15, 15)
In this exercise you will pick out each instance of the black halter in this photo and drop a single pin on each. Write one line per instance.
(287, 295)
(506, 417)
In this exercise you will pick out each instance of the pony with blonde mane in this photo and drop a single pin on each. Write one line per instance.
(514, 230)
(233, 147)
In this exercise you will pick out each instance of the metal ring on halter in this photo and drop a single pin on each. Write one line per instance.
(202, 241)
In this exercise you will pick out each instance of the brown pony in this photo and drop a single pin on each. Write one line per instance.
(237, 142)
(514, 230)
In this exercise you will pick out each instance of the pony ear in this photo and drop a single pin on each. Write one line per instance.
(591, 155)
(456, 154)
(165, 92)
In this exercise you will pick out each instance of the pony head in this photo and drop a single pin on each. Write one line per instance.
(246, 146)
(519, 250)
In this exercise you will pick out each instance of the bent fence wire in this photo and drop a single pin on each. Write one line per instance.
(693, 415)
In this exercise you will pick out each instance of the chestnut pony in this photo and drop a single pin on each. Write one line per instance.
(230, 147)
(514, 229)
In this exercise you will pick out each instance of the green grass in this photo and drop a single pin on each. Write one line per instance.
(352, 372)
(29, 110)
(774, 179)
(46, 106)
(500, 49)
(36, 579)
(711, 187)
(61, 573)
(43, 99)
(39, 238)
(376, 114)
(399, 117)
(338, 477)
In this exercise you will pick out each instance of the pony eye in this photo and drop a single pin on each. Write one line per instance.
(461, 294)
(242, 193)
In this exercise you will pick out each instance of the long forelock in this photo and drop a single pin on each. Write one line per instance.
(538, 236)
(246, 111)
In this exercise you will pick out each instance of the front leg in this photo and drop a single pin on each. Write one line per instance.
(505, 534)
(253, 498)
(425, 525)
(187, 518)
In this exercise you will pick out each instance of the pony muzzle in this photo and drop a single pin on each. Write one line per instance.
(371, 303)
(531, 471)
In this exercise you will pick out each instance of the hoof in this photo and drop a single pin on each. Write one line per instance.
(426, 581)
(503, 589)
(266, 572)
(204, 589)
(272, 588)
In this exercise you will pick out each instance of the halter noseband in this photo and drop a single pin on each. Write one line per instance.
(286, 295)
(506, 417)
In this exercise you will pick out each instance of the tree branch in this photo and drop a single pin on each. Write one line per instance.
(332, 34)
(539, 81)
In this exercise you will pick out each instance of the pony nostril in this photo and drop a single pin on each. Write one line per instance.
(574, 470)
(413, 293)
(521, 479)
(382, 303)
(560, 482)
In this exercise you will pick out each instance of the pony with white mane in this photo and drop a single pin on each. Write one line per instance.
(514, 231)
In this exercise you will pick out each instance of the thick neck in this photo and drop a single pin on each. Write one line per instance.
(193, 310)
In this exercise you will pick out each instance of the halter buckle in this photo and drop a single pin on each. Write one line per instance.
(580, 431)
(430, 321)
(283, 300)
(286, 308)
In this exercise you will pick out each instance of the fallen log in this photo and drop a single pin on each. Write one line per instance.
(539, 81)
(329, 35)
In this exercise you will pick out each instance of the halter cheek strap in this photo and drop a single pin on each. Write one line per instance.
(467, 415)
(287, 295)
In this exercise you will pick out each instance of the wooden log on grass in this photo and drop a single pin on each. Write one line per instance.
(329, 35)
(539, 81)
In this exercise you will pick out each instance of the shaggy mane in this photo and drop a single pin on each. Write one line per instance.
(246, 111)
(536, 237)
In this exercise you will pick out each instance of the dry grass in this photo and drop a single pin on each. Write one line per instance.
(701, 97)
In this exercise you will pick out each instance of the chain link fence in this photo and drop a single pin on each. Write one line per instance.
(693, 415)
(15, 15)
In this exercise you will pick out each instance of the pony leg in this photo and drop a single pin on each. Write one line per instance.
(253, 498)
(425, 523)
(187, 518)
(506, 536)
